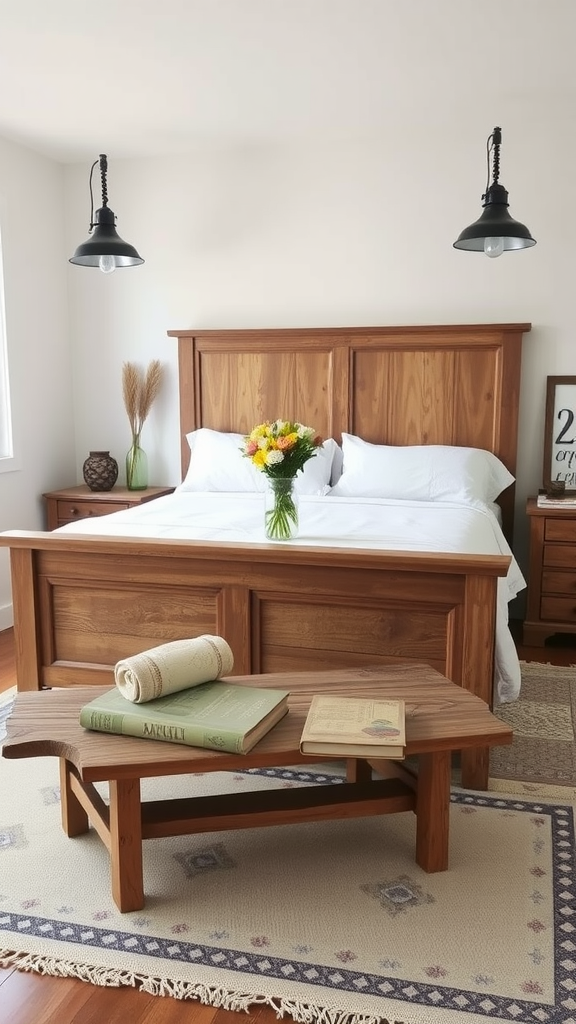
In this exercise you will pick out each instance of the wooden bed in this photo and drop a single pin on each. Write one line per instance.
(82, 603)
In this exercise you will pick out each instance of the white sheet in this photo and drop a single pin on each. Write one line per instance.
(332, 521)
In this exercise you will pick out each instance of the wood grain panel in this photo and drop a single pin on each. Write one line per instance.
(562, 556)
(477, 399)
(447, 396)
(399, 397)
(559, 582)
(558, 609)
(296, 659)
(390, 628)
(124, 609)
(239, 390)
(107, 623)
(560, 530)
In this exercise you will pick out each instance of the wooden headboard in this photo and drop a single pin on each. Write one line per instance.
(456, 384)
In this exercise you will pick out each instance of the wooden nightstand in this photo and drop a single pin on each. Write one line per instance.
(552, 573)
(72, 503)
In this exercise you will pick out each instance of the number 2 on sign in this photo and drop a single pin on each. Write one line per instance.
(561, 438)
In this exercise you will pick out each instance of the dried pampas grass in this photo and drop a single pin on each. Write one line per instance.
(139, 391)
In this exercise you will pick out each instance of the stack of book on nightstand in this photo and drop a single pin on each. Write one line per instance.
(568, 500)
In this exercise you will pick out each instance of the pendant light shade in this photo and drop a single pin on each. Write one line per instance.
(104, 249)
(495, 231)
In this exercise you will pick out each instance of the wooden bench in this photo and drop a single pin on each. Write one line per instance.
(440, 718)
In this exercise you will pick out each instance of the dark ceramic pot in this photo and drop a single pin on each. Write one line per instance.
(100, 471)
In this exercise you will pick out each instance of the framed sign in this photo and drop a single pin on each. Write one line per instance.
(560, 432)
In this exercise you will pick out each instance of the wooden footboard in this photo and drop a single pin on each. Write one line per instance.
(83, 603)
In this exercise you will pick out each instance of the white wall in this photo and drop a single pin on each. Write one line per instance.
(32, 225)
(354, 233)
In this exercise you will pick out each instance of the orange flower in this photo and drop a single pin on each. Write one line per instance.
(286, 443)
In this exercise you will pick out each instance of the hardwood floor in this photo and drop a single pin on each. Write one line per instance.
(34, 999)
(558, 650)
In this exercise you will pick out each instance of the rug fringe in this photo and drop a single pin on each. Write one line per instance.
(302, 1013)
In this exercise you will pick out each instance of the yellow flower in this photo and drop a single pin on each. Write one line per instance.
(258, 432)
(259, 458)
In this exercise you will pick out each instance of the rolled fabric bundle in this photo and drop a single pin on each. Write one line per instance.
(172, 667)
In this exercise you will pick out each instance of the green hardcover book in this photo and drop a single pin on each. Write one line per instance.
(218, 715)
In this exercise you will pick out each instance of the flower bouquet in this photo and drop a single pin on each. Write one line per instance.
(280, 450)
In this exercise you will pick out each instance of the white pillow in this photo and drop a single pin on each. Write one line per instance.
(217, 464)
(426, 472)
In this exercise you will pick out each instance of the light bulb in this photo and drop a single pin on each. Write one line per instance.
(107, 264)
(493, 246)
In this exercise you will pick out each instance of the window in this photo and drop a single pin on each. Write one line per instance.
(6, 448)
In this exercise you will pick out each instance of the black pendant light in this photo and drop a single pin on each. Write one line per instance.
(104, 249)
(495, 231)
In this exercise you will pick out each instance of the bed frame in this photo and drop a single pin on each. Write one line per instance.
(81, 602)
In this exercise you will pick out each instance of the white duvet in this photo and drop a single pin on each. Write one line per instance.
(332, 521)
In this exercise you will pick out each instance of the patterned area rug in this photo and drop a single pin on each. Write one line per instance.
(544, 722)
(331, 922)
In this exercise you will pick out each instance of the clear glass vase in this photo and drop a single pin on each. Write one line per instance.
(136, 468)
(280, 508)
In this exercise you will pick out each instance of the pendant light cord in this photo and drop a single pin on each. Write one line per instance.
(103, 172)
(102, 160)
(493, 144)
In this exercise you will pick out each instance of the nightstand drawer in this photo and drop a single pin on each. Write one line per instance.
(551, 604)
(560, 529)
(559, 609)
(561, 555)
(70, 504)
(69, 511)
(558, 582)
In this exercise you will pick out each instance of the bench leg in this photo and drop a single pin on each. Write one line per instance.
(126, 844)
(475, 764)
(358, 770)
(433, 811)
(74, 817)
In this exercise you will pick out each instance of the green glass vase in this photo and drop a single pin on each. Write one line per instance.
(136, 468)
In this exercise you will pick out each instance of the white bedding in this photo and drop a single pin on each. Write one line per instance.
(334, 521)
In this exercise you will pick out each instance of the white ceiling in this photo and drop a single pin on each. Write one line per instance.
(155, 77)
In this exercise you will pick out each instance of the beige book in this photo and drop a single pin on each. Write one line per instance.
(354, 727)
